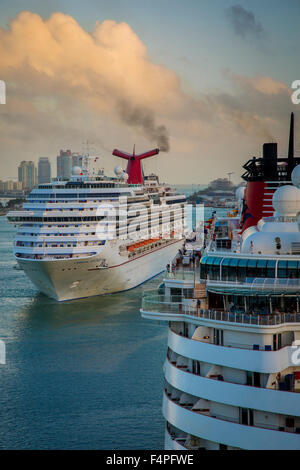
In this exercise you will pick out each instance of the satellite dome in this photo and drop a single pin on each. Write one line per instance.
(296, 176)
(118, 170)
(76, 171)
(125, 176)
(239, 193)
(286, 201)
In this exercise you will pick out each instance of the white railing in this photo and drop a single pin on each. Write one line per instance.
(258, 284)
(162, 305)
(180, 275)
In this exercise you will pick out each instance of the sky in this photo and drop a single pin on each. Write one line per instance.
(208, 81)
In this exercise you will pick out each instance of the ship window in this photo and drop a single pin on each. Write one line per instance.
(246, 416)
(261, 263)
(203, 268)
(216, 268)
(262, 268)
(210, 269)
(251, 268)
(271, 268)
(241, 271)
(175, 292)
(282, 269)
(188, 293)
(225, 269)
(292, 269)
(232, 269)
(218, 336)
(242, 263)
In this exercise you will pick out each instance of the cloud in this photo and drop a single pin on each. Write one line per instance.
(243, 22)
(104, 69)
(65, 85)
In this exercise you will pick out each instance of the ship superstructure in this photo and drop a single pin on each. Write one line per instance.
(232, 371)
(263, 176)
(93, 234)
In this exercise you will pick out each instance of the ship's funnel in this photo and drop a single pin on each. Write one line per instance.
(134, 166)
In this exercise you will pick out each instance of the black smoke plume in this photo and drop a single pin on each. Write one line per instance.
(145, 119)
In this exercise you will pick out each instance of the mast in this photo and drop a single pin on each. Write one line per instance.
(291, 147)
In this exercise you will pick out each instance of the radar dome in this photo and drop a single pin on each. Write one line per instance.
(118, 170)
(296, 176)
(125, 176)
(286, 201)
(76, 171)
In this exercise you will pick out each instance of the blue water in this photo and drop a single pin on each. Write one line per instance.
(84, 374)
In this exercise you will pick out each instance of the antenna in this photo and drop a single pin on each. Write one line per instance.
(86, 146)
(291, 150)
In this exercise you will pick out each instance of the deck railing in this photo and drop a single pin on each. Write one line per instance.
(258, 284)
(180, 275)
(163, 305)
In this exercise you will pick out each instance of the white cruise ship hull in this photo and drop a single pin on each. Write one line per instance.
(78, 278)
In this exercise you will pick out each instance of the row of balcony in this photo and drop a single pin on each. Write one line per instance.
(233, 414)
(282, 381)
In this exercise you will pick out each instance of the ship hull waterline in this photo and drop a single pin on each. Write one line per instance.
(73, 279)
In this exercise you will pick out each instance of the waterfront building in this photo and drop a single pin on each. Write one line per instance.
(44, 170)
(27, 174)
(64, 164)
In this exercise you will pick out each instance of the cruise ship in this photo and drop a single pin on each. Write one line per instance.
(232, 369)
(93, 234)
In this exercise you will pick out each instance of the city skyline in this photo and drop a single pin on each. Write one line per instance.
(209, 83)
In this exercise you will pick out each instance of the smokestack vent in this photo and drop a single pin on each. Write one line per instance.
(270, 151)
(270, 161)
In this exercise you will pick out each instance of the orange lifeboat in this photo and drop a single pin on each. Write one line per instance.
(133, 247)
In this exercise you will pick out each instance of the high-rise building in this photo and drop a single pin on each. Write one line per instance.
(8, 185)
(17, 185)
(65, 161)
(44, 170)
(64, 164)
(27, 174)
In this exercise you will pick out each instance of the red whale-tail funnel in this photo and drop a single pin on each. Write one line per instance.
(134, 166)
